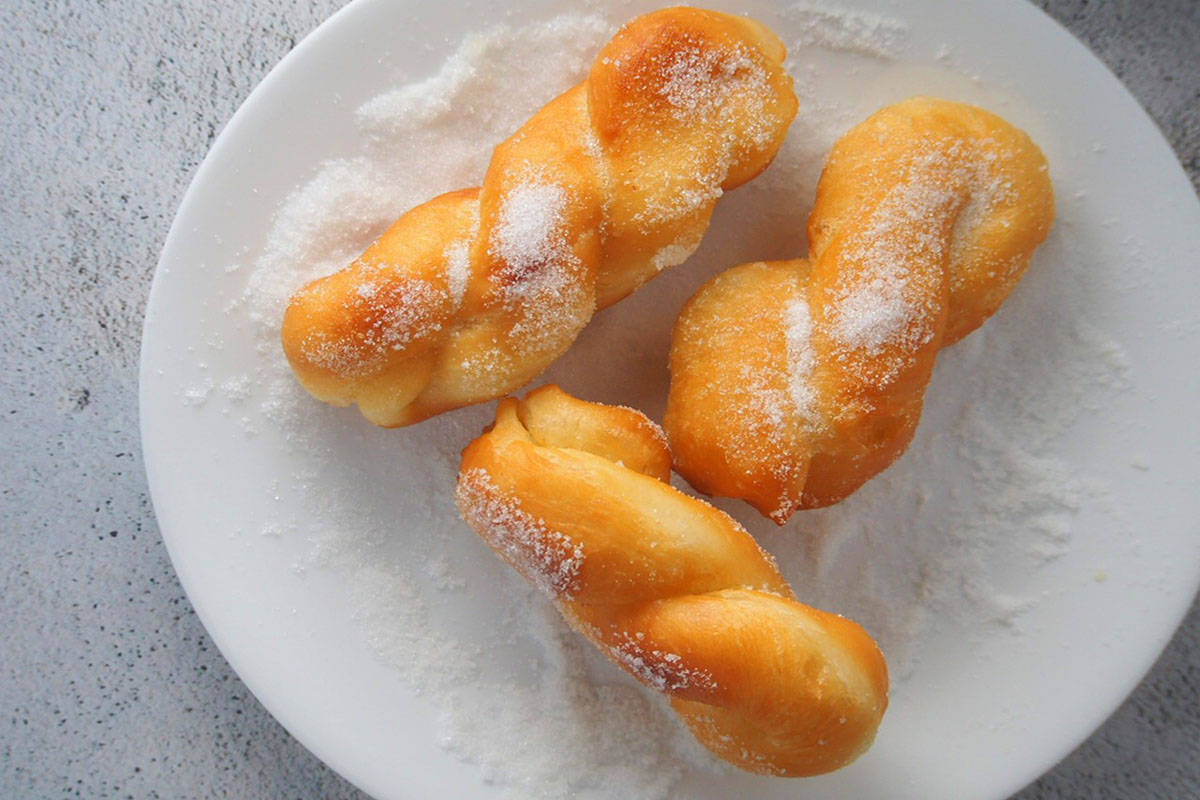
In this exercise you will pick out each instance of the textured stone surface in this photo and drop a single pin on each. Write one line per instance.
(109, 686)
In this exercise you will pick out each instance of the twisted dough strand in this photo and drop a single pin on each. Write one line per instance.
(575, 495)
(795, 382)
(474, 293)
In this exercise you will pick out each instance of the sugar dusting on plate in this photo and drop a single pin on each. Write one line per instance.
(533, 706)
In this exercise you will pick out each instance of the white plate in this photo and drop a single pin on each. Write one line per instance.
(302, 613)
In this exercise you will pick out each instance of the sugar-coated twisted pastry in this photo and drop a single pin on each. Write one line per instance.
(472, 294)
(795, 382)
(576, 496)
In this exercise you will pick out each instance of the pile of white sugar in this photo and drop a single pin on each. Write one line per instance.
(523, 699)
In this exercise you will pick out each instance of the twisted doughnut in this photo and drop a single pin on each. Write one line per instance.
(795, 382)
(474, 293)
(575, 496)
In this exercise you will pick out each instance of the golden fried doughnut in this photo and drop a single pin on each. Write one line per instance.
(795, 382)
(575, 496)
(474, 293)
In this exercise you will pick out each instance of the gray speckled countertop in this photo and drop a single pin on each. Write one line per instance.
(110, 687)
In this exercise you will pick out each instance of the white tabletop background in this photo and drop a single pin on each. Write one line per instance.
(109, 686)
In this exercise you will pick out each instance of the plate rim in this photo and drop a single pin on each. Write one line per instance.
(1065, 745)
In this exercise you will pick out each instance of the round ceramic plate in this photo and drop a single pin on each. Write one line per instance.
(1059, 531)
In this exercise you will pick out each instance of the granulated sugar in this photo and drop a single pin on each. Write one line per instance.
(884, 306)
(524, 700)
(659, 670)
(400, 311)
(458, 259)
(847, 30)
(699, 82)
(802, 359)
(541, 286)
(546, 557)
(529, 234)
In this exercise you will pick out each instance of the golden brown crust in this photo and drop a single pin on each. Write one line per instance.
(670, 588)
(794, 383)
(599, 191)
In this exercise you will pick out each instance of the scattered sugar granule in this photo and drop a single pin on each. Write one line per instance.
(237, 388)
(458, 270)
(197, 395)
(698, 82)
(885, 306)
(848, 30)
(878, 310)
(545, 556)
(543, 283)
(662, 671)
(802, 359)
(405, 313)
(673, 255)
(529, 235)
(401, 312)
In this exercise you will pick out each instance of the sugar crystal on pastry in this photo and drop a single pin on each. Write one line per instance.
(458, 269)
(601, 189)
(539, 276)
(672, 590)
(802, 359)
(529, 234)
(660, 671)
(548, 558)
(926, 216)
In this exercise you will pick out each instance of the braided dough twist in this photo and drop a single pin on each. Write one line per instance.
(795, 382)
(575, 496)
(472, 294)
